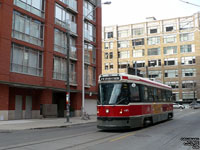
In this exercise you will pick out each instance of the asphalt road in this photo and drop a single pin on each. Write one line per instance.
(168, 135)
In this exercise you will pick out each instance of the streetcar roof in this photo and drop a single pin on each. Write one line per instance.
(121, 77)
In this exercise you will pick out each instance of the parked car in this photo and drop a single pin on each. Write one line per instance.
(178, 106)
(195, 105)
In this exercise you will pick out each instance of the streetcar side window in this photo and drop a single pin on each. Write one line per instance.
(159, 95)
(144, 93)
(151, 94)
(164, 99)
(134, 93)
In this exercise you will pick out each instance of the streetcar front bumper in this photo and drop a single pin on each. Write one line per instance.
(113, 123)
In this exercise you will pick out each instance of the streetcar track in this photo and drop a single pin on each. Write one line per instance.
(45, 141)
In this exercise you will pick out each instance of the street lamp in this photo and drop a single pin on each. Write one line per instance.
(83, 60)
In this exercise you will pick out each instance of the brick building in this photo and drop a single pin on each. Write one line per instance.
(164, 50)
(33, 45)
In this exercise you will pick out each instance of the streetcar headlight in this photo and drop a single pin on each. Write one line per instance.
(121, 111)
(107, 111)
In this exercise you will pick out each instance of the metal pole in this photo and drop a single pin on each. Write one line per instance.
(83, 70)
(68, 81)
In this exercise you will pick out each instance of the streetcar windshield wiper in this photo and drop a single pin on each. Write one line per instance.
(121, 100)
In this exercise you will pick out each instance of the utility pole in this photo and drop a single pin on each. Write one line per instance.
(68, 77)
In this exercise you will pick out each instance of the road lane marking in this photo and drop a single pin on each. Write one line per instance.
(122, 137)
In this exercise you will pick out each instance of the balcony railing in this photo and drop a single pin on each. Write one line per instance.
(87, 80)
(90, 16)
(27, 38)
(26, 69)
(71, 3)
(88, 36)
(73, 53)
(87, 58)
(63, 76)
(71, 26)
(29, 8)
(72, 78)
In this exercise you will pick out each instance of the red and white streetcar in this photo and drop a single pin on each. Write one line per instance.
(128, 101)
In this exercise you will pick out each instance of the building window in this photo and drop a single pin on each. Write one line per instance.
(188, 84)
(123, 54)
(106, 66)
(138, 42)
(153, 51)
(138, 53)
(153, 31)
(190, 72)
(154, 74)
(170, 61)
(111, 55)
(123, 33)
(59, 69)
(169, 39)
(60, 41)
(153, 40)
(187, 48)
(105, 55)
(154, 63)
(71, 3)
(36, 7)
(137, 31)
(169, 28)
(90, 32)
(123, 44)
(90, 51)
(89, 10)
(26, 60)
(186, 23)
(27, 29)
(138, 64)
(109, 35)
(189, 96)
(186, 37)
(123, 65)
(171, 73)
(108, 45)
(111, 66)
(65, 19)
(173, 84)
(93, 76)
(169, 25)
(190, 60)
(170, 50)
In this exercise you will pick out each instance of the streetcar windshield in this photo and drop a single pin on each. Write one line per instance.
(113, 93)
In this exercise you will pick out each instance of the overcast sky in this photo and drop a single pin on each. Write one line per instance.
(122, 12)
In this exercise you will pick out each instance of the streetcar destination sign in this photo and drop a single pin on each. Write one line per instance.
(111, 78)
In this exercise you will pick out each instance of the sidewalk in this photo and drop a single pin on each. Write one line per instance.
(42, 123)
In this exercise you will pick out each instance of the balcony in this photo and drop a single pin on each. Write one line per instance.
(90, 16)
(87, 80)
(63, 76)
(72, 27)
(87, 58)
(89, 37)
(73, 53)
(71, 3)
(72, 78)
(29, 8)
(19, 68)
(27, 38)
